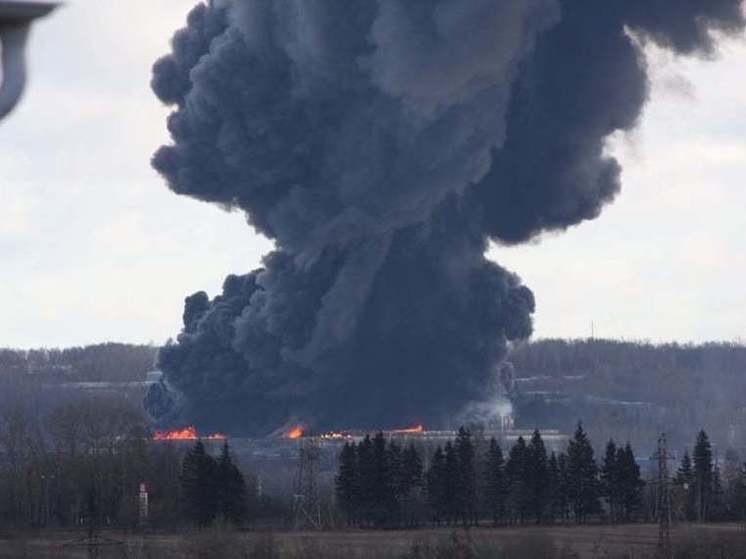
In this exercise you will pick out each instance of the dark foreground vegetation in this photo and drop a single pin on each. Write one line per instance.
(83, 464)
(85, 460)
(469, 481)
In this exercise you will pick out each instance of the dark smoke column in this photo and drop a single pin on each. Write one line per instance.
(382, 145)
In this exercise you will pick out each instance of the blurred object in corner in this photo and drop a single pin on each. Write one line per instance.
(16, 17)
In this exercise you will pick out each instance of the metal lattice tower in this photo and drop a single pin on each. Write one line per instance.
(306, 504)
(665, 549)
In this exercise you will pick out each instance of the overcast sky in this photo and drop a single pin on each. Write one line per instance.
(94, 247)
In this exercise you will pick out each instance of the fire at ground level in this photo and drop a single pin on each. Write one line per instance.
(275, 460)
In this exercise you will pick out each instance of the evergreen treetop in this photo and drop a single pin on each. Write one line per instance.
(537, 475)
(495, 486)
(703, 475)
(231, 488)
(199, 498)
(583, 484)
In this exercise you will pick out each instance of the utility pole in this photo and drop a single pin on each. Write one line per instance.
(306, 505)
(665, 549)
(94, 542)
(143, 508)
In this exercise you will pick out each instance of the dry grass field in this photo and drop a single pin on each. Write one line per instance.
(562, 542)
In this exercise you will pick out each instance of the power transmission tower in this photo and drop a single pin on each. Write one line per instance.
(306, 505)
(94, 542)
(665, 549)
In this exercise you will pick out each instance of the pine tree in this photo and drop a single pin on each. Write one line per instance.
(516, 474)
(436, 485)
(466, 480)
(718, 510)
(684, 481)
(451, 483)
(231, 490)
(611, 480)
(582, 477)
(411, 469)
(563, 493)
(394, 484)
(494, 482)
(684, 474)
(630, 483)
(555, 487)
(198, 486)
(346, 483)
(537, 476)
(382, 483)
(703, 474)
(410, 483)
(366, 480)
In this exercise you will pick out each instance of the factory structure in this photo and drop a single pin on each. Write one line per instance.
(281, 459)
(276, 459)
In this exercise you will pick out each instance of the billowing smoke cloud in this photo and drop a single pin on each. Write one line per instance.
(382, 145)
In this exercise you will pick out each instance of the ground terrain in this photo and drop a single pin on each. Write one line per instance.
(629, 541)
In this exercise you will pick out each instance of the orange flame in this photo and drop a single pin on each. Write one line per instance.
(414, 429)
(295, 432)
(185, 434)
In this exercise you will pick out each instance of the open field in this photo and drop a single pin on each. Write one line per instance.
(629, 541)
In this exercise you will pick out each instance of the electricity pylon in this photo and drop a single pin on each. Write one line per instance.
(306, 504)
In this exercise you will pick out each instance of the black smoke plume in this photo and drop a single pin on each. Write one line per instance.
(382, 145)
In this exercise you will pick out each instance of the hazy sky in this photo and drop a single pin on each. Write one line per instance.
(94, 247)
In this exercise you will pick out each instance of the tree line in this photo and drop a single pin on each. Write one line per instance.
(470, 481)
(706, 490)
(84, 461)
(84, 458)
(112, 362)
(212, 488)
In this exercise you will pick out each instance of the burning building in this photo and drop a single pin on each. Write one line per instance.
(383, 146)
(185, 434)
(274, 460)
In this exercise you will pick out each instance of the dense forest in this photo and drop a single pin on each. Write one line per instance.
(83, 463)
(471, 481)
(633, 390)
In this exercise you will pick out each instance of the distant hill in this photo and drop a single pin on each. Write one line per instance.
(626, 390)
(633, 390)
(109, 362)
